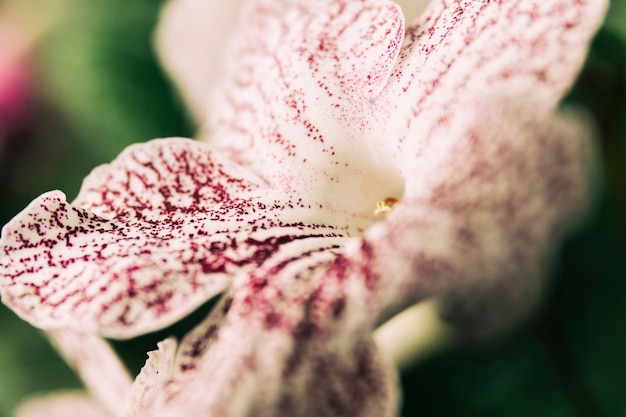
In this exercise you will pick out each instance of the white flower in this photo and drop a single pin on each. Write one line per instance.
(325, 110)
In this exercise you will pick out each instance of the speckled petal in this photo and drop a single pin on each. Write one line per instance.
(191, 38)
(461, 50)
(478, 231)
(149, 238)
(66, 404)
(294, 104)
(272, 355)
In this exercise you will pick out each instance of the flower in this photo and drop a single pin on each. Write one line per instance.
(325, 111)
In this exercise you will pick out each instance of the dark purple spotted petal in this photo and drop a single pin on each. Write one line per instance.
(150, 237)
(270, 349)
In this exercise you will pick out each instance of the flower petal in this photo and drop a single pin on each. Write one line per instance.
(281, 343)
(98, 366)
(66, 404)
(191, 40)
(154, 374)
(532, 49)
(295, 101)
(269, 357)
(479, 228)
(150, 238)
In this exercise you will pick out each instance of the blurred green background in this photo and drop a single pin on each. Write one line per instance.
(97, 87)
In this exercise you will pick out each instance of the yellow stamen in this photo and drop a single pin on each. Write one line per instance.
(385, 206)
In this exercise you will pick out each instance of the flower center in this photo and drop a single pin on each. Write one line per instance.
(385, 206)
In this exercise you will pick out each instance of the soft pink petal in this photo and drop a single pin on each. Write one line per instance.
(325, 95)
(66, 404)
(459, 50)
(275, 355)
(480, 230)
(98, 366)
(191, 39)
(294, 104)
(151, 237)
(282, 343)
(153, 375)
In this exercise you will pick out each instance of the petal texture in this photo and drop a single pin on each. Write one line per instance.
(294, 102)
(149, 238)
(269, 350)
(479, 229)
(349, 104)
(461, 50)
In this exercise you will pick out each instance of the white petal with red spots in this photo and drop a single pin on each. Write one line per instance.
(325, 108)
(150, 237)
